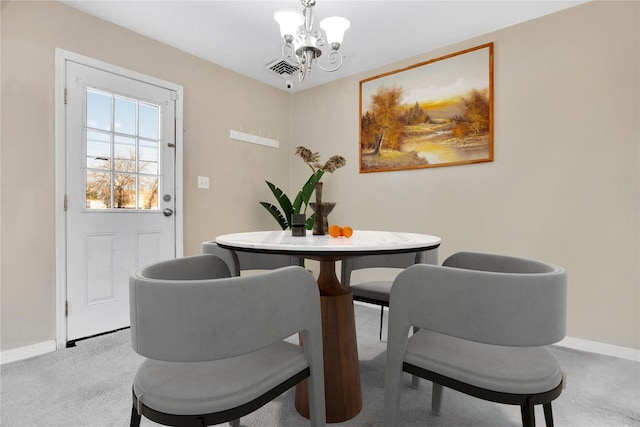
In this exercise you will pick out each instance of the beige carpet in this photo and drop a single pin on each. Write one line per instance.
(90, 385)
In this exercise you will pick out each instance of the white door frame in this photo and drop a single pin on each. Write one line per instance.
(61, 56)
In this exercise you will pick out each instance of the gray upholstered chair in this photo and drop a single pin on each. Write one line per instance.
(243, 261)
(377, 291)
(484, 321)
(214, 345)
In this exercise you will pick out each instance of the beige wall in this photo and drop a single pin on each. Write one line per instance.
(564, 185)
(215, 101)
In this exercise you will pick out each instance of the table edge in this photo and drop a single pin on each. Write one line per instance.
(330, 253)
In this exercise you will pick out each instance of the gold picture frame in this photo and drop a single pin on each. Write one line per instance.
(432, 114)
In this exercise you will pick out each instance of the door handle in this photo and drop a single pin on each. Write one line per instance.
(167, 212)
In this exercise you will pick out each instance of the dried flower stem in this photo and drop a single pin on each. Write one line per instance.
(312, 160)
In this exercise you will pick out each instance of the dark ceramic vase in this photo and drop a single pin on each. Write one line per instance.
(322, 210)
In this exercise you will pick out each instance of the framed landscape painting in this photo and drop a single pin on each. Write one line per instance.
(436, 113)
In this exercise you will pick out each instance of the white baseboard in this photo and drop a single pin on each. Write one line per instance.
(27, 352)
(601, 348)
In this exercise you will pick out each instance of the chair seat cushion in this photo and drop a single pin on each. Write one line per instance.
(207, 387)
(377, 290)
(515, 370)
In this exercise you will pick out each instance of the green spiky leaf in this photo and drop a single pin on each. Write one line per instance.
(308, 224)
(283, 200)
(276, 214)
(304, 195)
(283, 215)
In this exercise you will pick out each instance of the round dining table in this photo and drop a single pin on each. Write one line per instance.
(343, 396)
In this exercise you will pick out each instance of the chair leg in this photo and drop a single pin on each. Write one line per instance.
(135, 417)
(548, 414)
(381, 317)
(415, 380)
(528, 416)
(436, 398)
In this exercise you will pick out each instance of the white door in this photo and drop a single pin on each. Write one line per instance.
(120, 189)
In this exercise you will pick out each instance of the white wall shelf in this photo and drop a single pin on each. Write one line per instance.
(253, 139)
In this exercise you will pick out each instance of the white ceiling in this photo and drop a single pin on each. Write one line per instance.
(242, 36)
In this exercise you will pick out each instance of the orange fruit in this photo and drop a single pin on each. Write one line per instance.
(347, 231)
(335, 230)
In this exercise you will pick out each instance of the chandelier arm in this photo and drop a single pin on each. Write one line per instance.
(318, 36)
(334, 57)
(302, 73)
(289, 55)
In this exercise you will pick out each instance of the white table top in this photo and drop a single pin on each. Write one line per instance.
(362, 242)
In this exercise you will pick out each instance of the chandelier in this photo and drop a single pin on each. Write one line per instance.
(302, 43)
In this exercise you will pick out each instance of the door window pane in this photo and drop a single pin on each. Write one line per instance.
(148, 192)
(98, 150)
(122, 152)
(98, 110)
(98, 190)
(149, 121)
(124, 158)
(125, 115)
(148, 157)
(124, 190)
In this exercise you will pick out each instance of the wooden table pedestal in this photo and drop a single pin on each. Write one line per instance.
(343, 396)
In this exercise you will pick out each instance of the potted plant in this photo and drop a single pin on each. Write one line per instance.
(299, 205)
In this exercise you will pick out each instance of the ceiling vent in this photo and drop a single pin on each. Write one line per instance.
(281, 68)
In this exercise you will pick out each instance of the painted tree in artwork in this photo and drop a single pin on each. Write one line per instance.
(415, 115)
(478, 112)
(476, 116)
(381, 125)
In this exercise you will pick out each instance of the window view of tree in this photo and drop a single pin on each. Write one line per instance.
(124, 186)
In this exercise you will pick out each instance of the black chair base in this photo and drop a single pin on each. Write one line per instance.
(203, 420)
(525, 401)
(382, 305)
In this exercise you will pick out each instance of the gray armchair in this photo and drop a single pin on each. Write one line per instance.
(242, 261)
(377, 291)
(484, 321)
(206, 361)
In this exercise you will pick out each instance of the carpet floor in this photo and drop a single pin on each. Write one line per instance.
(90, 385)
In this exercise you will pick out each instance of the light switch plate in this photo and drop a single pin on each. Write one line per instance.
(203, 182)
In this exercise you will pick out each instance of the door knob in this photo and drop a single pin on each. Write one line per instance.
(167, 212)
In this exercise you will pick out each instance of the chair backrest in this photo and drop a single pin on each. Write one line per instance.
(239, 260)
(485, 298)
(497, 263)
(187, 268)
(402, 260)
(190, 317)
